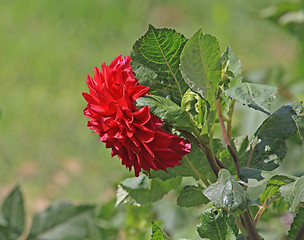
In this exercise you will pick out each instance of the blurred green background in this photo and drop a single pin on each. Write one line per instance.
(47, 48)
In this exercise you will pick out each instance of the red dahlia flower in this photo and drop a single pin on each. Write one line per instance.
(133, 134)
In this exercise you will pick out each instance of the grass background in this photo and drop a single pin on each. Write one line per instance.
(47, 48)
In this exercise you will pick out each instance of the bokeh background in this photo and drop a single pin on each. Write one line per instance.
(48, 47)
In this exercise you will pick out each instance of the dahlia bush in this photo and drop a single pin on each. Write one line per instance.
(158, 110)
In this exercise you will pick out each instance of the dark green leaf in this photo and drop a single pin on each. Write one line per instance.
(297, 224)
(293, 193)
(200, 65)
(155, 61)
(157, 233)
(226, 192)
(140, 190)
(253, 95)
(251, 173)
(233, 65)
(62, 220)
(216, 224)
(191, 196)
(168, 111)
(14, 214)
(299, 120)
(263, 184)
(270, 139)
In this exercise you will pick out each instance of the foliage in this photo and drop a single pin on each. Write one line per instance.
(62, 220)
(194, 90)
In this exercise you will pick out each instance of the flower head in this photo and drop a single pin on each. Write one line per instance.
(134, 135)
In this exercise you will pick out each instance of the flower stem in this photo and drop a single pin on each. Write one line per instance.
(226, 138)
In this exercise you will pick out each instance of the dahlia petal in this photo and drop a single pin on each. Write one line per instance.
(89, 98)
(142, 116)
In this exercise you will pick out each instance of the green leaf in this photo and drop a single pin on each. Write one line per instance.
(272, 193)
(297, 224)
(233, 65)
(14, 214)
(263, 182)
(62, 220)
(191, 196)
(155, 61)
(256, 96)
(270, 138)
(168, 111)
(157, 233)
(194, 164)
(200, 65)
(293, 193)
(226, 192)
(140, 190)
(299, 120)
(216, 224)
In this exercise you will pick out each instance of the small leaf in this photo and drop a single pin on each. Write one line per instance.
(293, 193)
(191, 196)
(62, 220)
(297, 224)
(256, 96)
(196, 106)
(155, 61)
(270, 148)
(200, 65)
(216, 224)
(233, 66)
(14, 214)
(140, 190)
(226, 192)
(157, 233)
(168, 111)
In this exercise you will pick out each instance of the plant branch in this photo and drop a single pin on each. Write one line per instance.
(226, 138)
(220, 163)
(263, 208)
(250, 227)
